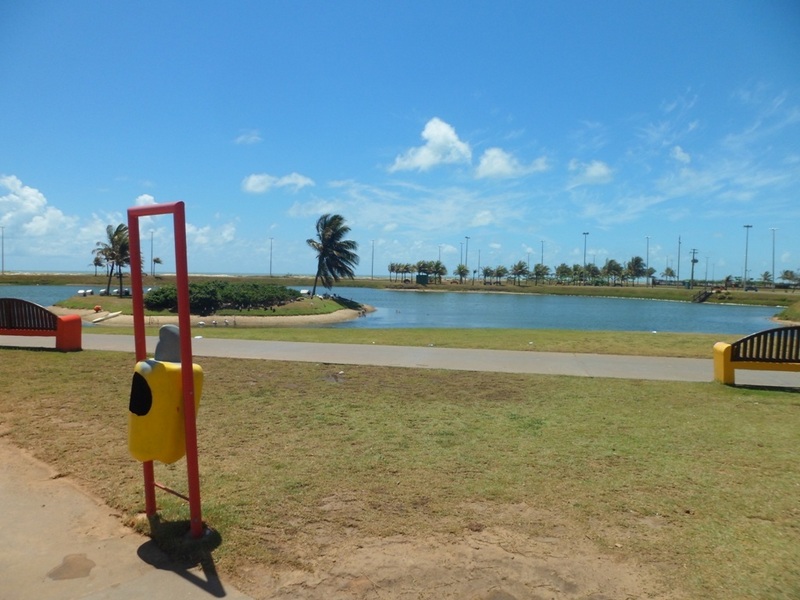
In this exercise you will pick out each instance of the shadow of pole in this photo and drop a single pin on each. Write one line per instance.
(173, 549)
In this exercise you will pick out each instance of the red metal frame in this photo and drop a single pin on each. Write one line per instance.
(178, 212)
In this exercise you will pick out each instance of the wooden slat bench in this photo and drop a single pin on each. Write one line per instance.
(20, 317)
(770, 350)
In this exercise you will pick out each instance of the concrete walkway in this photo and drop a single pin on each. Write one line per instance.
(498, 361)
(60, 544)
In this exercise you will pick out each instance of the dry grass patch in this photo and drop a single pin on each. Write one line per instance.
(698, 481)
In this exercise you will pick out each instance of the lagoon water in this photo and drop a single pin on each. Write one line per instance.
(398, 309)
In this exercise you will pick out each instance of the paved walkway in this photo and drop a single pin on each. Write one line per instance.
(499, 361)
(60, 544)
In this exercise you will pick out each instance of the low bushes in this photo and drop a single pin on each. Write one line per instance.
(212, 296)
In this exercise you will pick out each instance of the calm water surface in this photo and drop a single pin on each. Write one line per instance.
(398, 309)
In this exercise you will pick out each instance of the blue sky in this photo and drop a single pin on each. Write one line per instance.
(519, 125)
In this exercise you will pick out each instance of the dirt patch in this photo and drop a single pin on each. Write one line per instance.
(480, 563)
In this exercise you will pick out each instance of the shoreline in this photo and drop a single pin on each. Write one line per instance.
(340, 316)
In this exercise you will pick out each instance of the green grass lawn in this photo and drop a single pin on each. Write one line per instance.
(699, 479)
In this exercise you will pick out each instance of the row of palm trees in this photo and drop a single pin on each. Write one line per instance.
(613, 272)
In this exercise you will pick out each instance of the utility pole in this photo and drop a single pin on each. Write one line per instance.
(747, 229)
(694, 262)
(773, 229)
(583, 275)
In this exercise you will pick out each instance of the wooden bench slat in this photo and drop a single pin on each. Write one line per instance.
(781, 344)
(21, 314)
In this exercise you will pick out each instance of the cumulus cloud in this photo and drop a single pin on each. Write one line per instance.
(496, 162)
(251, 136)
(144, 200)
(442, 146)
(595, 172)
(27, 208)
(680, 155)
(260, 183)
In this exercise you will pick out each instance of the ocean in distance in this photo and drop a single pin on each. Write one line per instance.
(487, 310)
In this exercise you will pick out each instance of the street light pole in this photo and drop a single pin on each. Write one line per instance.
(746, 244)
(585, 235)
(773, 229)
(466, 253)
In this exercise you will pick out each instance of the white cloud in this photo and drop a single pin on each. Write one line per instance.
(482, 217)
(251, 136)
(442, 146)
(594, 173)
(496, 162)
(21, 199)
(680, 155)
(145, 200)
(260, 183)
(27, 208)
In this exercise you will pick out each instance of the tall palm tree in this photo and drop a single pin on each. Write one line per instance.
(336, 256)
(115, 252)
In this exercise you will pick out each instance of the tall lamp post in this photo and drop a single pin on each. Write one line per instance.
(773, 230)
(585, 235)
(466, 253)
(747, 229)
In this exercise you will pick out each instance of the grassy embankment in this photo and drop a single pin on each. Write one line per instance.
(699, 479)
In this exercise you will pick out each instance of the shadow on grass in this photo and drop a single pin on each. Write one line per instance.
(769, 388)
(171, 548)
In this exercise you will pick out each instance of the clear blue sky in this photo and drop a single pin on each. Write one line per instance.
(519, 124)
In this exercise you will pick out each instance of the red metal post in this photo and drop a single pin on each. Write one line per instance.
(177, 209)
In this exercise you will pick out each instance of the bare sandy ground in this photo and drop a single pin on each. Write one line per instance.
(339, 316)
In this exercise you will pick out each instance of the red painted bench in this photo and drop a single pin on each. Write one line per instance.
(20, 317)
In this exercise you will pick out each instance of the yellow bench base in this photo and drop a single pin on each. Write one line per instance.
(725, 368)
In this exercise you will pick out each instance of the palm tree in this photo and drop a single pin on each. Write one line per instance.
(336, 256)
(97, 262)
(636, 268)
(519, 270)
(499, 273)
(439, 270)
(540, 271)
(613, 270)
(156, 261)
(115, 252)
(462, 271)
